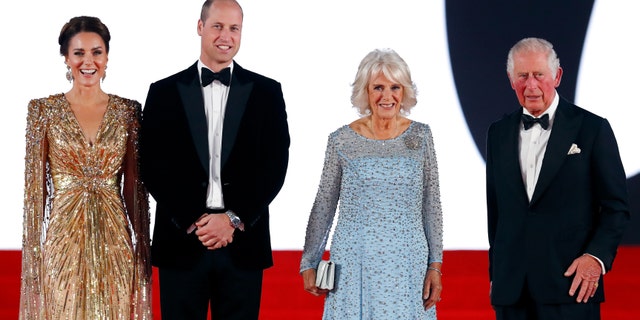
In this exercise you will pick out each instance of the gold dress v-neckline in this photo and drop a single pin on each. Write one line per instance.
(85, 138)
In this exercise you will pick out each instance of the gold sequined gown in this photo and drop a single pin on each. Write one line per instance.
(86, 218)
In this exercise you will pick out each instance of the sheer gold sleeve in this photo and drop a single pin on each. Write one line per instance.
(35, 211)
(137, 204)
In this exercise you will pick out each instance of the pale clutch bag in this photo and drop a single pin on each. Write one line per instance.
(325, 274)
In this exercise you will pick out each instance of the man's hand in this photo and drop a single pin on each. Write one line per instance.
(587, 272)
(214, 231)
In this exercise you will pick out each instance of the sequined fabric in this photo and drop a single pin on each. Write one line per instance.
(86, 217)
(389, 224)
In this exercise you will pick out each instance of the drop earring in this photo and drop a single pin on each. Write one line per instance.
(69, 75)
(104, 75)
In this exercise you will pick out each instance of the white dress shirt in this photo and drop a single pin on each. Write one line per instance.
(215, 100)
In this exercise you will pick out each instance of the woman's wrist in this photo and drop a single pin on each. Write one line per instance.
(434, 269)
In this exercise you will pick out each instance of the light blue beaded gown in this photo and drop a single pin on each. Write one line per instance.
(389, 224)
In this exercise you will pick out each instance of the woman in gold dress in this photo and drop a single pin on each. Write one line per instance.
(86, 218)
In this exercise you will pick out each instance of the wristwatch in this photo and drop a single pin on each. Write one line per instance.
(235, 220)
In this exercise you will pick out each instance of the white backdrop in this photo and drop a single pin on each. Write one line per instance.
(313, 48)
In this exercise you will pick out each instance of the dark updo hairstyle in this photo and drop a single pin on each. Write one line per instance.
(82, 24)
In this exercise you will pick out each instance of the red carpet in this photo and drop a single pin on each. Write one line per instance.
(465, 293)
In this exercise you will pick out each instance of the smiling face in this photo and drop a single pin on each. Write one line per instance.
(87, 57)
(220, 34)
(533, 81)
(385, 97)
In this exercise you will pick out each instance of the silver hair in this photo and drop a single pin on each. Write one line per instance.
(534, 45)
(388, 63)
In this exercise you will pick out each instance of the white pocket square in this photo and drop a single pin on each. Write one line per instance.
(574, 149)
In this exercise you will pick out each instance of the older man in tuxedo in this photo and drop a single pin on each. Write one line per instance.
(556, 197)
(214, 149)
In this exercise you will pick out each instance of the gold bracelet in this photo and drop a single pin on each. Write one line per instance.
(435, 269)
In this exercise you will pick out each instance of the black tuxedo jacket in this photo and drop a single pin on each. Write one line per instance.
(175, 163)
(579, 206)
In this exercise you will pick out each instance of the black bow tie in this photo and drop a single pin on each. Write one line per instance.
(528, 121)
(224, 76)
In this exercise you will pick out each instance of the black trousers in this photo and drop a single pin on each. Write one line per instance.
(528, 309)
(232, 293)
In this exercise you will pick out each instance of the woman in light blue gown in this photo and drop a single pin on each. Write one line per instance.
(382, 172)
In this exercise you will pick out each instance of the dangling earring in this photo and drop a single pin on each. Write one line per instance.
(104, 75)
(69, 74)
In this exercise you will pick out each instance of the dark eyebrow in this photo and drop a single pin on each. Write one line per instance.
(94, 48)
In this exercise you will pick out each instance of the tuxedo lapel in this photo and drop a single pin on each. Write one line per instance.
(239, 92)
(509, 154)
(512, 159)
(566, 126)
(191, 96)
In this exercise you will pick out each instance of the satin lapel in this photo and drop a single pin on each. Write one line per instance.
(193, 103)
(566, 126)
(510, 154)
(239, 93)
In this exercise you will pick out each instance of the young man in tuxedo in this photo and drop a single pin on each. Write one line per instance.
(556, 197)
(214, 152)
